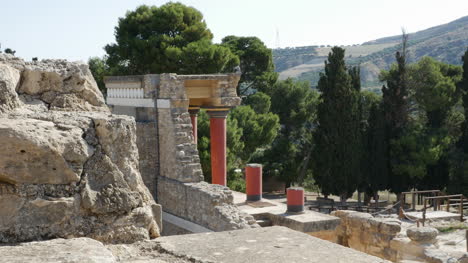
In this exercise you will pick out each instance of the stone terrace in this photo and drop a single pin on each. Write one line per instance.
(260, 245)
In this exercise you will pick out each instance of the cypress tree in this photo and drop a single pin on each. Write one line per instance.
(376, 166)
(459, 174)
(337, 137)
(396, 116)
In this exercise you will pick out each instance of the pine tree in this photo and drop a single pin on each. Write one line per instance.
(435, 93)
(337, 138)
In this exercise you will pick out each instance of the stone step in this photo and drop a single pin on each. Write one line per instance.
(264, 222)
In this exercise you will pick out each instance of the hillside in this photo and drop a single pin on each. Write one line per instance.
(445, 43)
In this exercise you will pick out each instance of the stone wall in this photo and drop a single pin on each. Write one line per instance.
(208, 205)
(363, 232)
(382, 237)
(147, 142)
(181, 190)
(68, 168)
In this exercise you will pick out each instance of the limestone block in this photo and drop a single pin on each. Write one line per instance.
(172, 196)
(9, 80)
(105, 189)
(407, 249)
(437, 256)
(41, 152)
(63, 85)
(425, 235)
(10, 207)
(205, 204)
(390, 228)
(58, 250)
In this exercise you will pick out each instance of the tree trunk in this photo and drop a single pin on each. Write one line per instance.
(343, 199)
(305, 163)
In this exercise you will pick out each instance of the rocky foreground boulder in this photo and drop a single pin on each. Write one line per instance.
(68, 168)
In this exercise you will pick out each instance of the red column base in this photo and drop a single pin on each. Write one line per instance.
(253, 182)
(295, 199)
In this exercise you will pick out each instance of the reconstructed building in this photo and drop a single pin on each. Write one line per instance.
(165, 107)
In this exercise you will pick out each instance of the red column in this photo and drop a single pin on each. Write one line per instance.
(253, 181)
(193, 118)
(218, 146)
(295, 199)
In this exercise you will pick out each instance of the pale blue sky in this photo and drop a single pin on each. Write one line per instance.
(79, 29)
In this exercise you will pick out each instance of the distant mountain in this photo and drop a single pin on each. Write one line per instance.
(446, 43)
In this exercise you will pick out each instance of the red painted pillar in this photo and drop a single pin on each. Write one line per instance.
(194, 118)
(218, 146)
(253, 181)
(295, 199)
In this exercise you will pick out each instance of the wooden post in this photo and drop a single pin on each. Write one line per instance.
(424, 211)
(359, 198)
(400, 214)
(448, 205)
(413, 202)
(461, 208)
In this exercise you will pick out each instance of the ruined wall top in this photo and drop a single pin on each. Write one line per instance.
(53, 84)
(212, 90)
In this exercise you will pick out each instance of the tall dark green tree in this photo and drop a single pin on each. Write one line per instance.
(435, 95)
(289, 156)
(172, 38)
(338, 143)
(375, 167)
(396, 115)
(459, 170)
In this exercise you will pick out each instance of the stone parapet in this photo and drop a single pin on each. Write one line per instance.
(363, 232)
(205, 204)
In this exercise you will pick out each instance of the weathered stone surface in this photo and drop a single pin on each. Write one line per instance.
(41, 152)
(78, 250)
(366, 233)
(65, 173)
(205, 204)
(63, 85)
(422, 234)
(8, 83)
(262, 245)
(148, 145)
(269, 244)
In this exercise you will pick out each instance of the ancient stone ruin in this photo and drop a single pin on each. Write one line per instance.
(86, 174)
(165, 107)
(68, 168)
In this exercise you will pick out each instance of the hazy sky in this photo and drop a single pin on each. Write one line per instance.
(79, 29)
